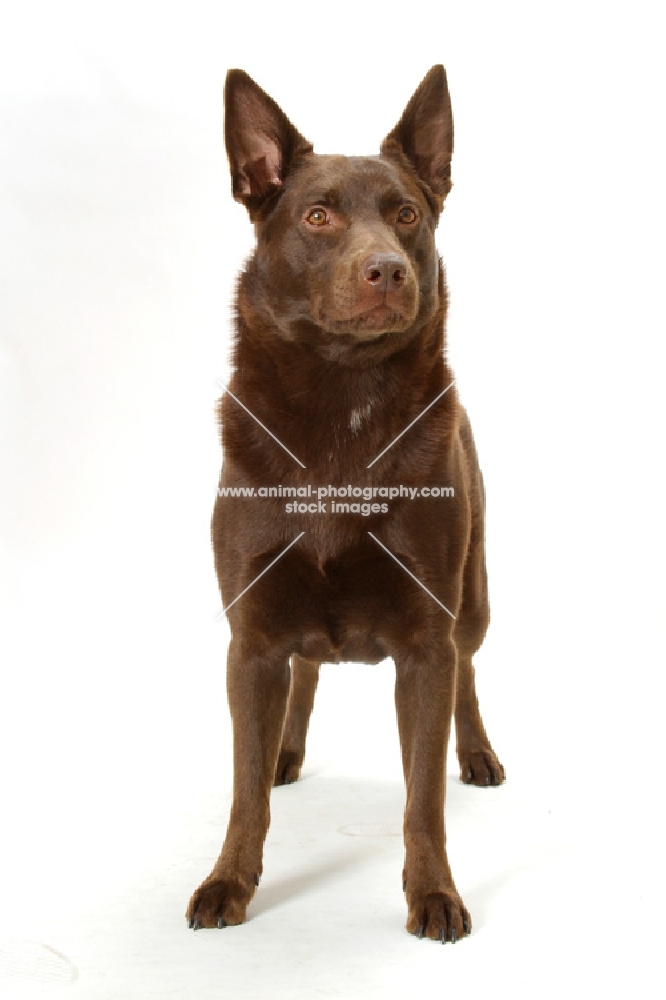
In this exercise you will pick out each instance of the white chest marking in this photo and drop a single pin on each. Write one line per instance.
(358, 415)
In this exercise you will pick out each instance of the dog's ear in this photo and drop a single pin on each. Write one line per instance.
(424, 134)
(261, 141)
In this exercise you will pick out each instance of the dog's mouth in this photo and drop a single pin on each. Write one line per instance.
(371, 324)
(379, 315)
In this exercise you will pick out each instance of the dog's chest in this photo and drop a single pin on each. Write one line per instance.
(349, 606)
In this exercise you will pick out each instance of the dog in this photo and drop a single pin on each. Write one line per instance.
(340, 377)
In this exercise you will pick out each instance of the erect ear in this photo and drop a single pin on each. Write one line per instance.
(261, 141)
(424, 134)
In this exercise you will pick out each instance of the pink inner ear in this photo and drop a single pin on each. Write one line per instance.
(264, 158)
(259, 172)
(258, 152)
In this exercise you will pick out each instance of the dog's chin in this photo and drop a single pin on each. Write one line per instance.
(366, 339)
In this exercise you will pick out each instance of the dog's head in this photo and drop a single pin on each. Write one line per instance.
(345, 258)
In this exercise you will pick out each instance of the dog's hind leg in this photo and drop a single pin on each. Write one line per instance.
(304, 679)
(478, 762)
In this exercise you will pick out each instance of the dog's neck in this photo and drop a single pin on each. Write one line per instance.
(334, 415)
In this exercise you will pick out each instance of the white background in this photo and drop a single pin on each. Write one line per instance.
(118, 250)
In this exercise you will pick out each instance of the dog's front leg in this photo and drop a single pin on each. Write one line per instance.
(425, 691)
(258, 686)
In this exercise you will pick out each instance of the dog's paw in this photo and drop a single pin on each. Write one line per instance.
(481, 767)
(288, 767)
(441, 916)
(219, 902)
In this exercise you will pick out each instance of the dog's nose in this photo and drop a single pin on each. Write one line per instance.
(384, 270)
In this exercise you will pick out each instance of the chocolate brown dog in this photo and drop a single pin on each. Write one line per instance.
(339, 350)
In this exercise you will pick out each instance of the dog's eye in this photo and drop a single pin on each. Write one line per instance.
(407, 215)
(317, 217)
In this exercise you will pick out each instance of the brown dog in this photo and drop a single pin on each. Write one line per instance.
(339, 350)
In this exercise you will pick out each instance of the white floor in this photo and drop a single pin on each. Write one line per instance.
(117, 804)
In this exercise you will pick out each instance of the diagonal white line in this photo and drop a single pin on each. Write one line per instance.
(412, 575)
(224, 610)
(260, 423)
(409, 425)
